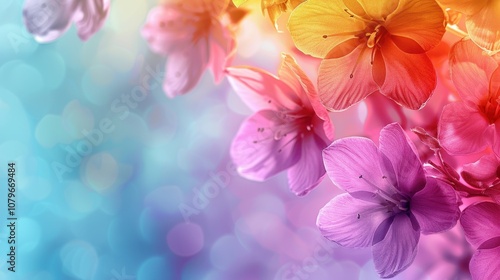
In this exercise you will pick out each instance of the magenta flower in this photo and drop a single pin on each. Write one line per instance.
(389, 200)
(49, 19)
(288, 130)
(193, 36)
(473, 124)
(480, 223)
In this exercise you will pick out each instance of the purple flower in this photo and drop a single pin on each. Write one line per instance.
(49, 19)
(480, 223)
(389, 200)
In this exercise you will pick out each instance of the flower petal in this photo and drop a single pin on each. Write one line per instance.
(427, 22)
(90, 17)
(309, 170)
(484, 28)
(346, 80)
(471, 71)
(185, 68)
(483, 172)
(462, 130)
(261, 90)
(401, 152)
(400, 70)
(349, 221)
(258, 153)
(313, 19)
(484, 264)
(354, 164)
(379, 9)
(467, 7)
(222, 46)
(435, 207)
(480, 222)
(398, 249)
(48, 19)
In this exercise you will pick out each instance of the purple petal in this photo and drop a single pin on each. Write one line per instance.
(184, 68)
(353, 164)
(48, 19)
(259, 152)
(398, 249)
(484, 264)
(309, 170)
(480, 222)
(90, 17)
(349, 221)
(395, 144)
(435, 207)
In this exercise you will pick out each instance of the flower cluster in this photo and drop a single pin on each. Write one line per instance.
(394, 191)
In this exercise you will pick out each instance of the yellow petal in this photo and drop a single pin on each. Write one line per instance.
(313, 19)
(379, 9)
(468, 7)
(422, 21)
(484, 27)
(237, 3)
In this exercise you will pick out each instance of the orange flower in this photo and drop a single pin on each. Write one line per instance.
(274, 8)
(370, 46)
(481, 21)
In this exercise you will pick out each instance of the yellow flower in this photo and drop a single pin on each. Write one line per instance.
(274, 8)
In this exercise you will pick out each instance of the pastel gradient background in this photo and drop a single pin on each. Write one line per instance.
(114, 213)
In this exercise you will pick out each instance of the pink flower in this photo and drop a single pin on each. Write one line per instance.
(49, 19)
(193, 36)
(389, 201)
(483, 173)
(473, 124)
(288, 130)
(480, 223)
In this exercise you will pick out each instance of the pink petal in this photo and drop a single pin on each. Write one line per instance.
(463, 130)
(401, 152)
(48, 19)
(185, 68)
(471, 71)
(261, 90)
(485, 263)
(398, 249)
(309, 170)
(354, 164)
(402, 83)
(496, 141)
(435, 207)
(349, 221)
(480, 222)
(345, 79)
(483, 172)
(221, 47)
(259, 151)
(90, 17)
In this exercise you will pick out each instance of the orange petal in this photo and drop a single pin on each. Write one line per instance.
(337, 90)
(379, 9)
(422, 21)
(403, 83)
(484, 27)
(467, 7)
(313, 19)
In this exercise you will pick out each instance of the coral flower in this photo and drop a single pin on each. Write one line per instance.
(288, 130)
(193, 36)
(480, 223)
(481, 21)
(473, 124)
(389, 200)
(49, 19)
(369, 46)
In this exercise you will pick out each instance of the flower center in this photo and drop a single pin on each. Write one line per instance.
(396, 202)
